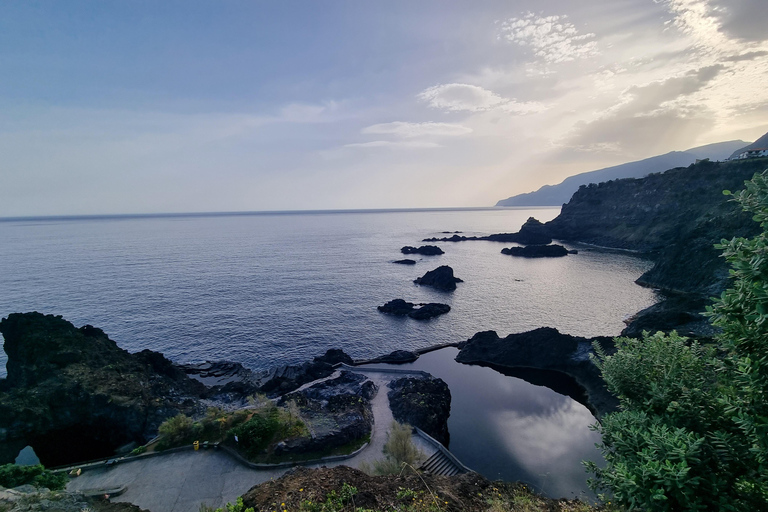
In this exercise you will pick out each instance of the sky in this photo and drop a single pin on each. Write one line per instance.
(200, 106)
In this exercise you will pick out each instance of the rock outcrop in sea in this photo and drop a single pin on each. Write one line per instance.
(400, 307)
(538, 251)
(441, 278)
(425, 250)
(532, 232)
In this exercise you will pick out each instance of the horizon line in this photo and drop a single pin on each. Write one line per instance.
(95, 216)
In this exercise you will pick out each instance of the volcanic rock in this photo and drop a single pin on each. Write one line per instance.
(441, 278)
(338, 409)
(426, 250)
(537, 251)
(532, 232)
(397, 357)
(399, 307)
(423, 403)
(405, 262)
(73, 393)
(283, 379)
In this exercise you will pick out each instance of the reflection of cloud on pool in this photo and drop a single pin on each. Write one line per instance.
(540, 442)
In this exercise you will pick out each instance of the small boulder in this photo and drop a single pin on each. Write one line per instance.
(405, 262)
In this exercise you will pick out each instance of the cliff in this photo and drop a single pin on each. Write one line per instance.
(674, 217)
(556, 195)
(76, 394)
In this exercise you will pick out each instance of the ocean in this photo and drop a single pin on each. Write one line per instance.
(266, 289)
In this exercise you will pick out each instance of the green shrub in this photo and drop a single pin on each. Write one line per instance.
(238, 506)
(177, 431)
(139, 450)
(254, 435)
(692, 430)
(12, 475)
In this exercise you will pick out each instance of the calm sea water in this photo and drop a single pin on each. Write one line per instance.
(269, 289)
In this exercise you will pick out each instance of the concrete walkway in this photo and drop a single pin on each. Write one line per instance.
(180, 482)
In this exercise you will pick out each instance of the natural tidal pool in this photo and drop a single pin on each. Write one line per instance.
(508, 429)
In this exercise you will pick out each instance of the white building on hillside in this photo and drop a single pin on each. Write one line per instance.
(751, 153)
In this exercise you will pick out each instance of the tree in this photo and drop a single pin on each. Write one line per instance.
(691, 432)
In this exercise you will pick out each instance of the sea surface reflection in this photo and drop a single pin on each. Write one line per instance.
(508, 429)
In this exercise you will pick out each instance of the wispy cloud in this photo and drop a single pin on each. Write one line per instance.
(410, 130)
(552, 38)
(472, 98)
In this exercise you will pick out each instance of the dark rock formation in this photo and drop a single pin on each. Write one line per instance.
(338, 410)
(426, 250)
(74, 394)
(532, 232)
(545, 349)
(537, 251)
(441, 278)
(397, 357)
(232, 383)
(423, 403)
(681, 313)
(283, 379)
(399, 307)
(405, 262)
(430, 310)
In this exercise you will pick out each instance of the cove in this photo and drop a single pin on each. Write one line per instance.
(506, 428)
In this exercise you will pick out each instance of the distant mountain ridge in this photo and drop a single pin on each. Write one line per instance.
(557, 195)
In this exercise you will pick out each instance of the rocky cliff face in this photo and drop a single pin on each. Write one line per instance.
(675, 217)
(77, 385)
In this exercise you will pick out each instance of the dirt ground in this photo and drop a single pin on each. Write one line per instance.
(409, 491)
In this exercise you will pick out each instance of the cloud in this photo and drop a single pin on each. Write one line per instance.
(639, 100)
(471, 98)
(745, 56)
(744, 19)
(551, 37)
(408, 130)
(393, 145)
(649, 117)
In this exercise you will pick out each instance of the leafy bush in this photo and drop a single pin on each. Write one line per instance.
(692, 430)
(138, 450)
(177, 431)
(254, 435)
(12, 475)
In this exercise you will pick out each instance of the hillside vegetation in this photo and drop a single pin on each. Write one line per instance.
(675, 217)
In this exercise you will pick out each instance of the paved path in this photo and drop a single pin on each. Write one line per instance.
(180, 482)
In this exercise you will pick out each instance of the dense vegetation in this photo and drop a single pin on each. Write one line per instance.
(692, 430)
(12, 475)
